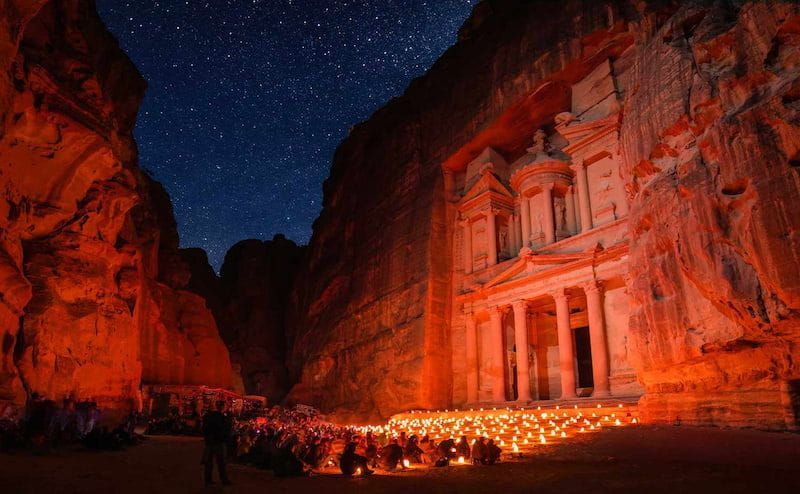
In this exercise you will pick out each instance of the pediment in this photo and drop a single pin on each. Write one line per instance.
(488, 183)
(530, 263)
(578, 133)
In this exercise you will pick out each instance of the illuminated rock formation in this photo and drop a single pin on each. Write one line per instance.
(255, 282)
(666, 217)
(86, 310)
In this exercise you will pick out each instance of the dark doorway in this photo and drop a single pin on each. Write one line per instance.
(583, 351)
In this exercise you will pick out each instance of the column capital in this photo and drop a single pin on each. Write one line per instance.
(559, 294)
(497, 310)
(578, 164)
(492, 211)
(519, 305)
(464, 221)
(548, 186)
(594, 286)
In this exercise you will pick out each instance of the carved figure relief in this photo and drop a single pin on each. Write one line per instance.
(503, 240)
(479, 241)
(560, 211)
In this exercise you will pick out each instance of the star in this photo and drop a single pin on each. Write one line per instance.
(248, 99)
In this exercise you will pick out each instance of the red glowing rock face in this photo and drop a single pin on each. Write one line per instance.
(254, 286)
(85, 308)
(710, 146)
(715, 269)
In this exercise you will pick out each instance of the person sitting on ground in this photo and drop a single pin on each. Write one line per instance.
(315, 453)
(462, 448)
(371, 452)
(403, 439)
(286, 463)
(493, 455)
(412, 451)
(350, 462)
(479, 451)
(391, 455)
(447, 449)
(431, 451)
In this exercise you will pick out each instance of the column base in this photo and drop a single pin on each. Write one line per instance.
(601, 394)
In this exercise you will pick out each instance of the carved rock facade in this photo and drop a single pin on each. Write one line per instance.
(670, 129)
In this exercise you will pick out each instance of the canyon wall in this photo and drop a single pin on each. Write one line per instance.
(91, 299)
(710, 148)
(711, 140)
(371, 322)
(255, 282)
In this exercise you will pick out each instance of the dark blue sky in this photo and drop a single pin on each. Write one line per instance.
(248, 99)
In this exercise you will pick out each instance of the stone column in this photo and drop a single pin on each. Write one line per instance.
(491, 236)
(521, 342)
(449, 185)
(566, 354)
(583, 196)
(525, 219)
(597, 337)
(569, 199)
(547, 211)
(468, 257)
(534, 227)
(472, 357)
(512, 235)
(498, 354)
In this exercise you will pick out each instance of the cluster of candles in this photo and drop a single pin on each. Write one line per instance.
(514, 430)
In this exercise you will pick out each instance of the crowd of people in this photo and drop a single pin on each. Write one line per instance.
(48, 425)
(295, 444)
(289, 441)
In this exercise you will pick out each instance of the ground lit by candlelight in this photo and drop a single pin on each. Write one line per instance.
(518, 431)
(622, 456)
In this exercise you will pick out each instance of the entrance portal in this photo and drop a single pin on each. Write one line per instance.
(583, 353)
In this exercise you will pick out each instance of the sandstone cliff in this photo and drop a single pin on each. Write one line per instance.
(710, 144)
(255, 282)
(90, 303)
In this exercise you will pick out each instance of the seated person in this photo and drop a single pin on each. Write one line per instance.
(351, 462)
(462, 448)
(493, 455)
(391, 455)
(430, 449)
(480, 452)
(447, 449)
(412, 451)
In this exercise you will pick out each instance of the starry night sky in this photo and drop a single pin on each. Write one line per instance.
(248, 99)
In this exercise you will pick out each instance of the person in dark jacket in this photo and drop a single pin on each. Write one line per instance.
(463, 448)
(391, 456)
(494, 453)
(351, 461)
(216, 433)
(480, 451)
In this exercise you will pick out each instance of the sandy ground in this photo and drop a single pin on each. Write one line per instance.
(633, 459)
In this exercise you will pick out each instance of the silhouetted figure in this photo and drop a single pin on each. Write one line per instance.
(351, 461)
(216, 432)
(447, 449)
(391, 455)
(371, 452)
(480, 452)
(462, 448)
(493, 455)
(413, 452)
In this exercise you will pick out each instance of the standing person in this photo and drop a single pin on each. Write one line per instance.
(216, 432)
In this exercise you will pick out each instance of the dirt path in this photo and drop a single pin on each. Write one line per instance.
(634, 459)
